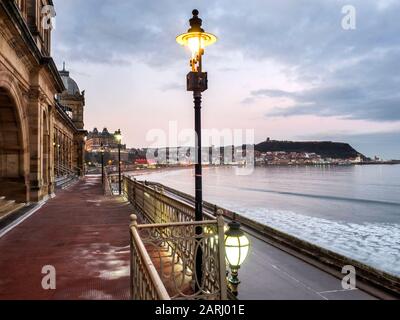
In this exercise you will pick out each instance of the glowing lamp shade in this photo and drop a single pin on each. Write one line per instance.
(118, 135)
(196, 41)
(236, 245)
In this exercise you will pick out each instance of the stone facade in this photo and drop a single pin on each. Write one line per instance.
(31, 119)
(70, 136)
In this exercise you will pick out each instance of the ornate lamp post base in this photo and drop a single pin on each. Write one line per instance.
(234, 282)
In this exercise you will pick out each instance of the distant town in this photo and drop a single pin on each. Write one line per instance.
(267, 153)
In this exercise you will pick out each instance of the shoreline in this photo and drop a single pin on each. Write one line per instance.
(144, 171)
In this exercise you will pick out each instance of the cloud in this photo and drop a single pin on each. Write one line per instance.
(173, 86)
(118, 32)
(328, 71)
(274, 93)
(366, 88)
(303, 34)
(352, 102)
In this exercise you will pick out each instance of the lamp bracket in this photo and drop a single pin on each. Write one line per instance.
(197, 81)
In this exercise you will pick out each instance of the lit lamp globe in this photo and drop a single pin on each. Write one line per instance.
(118, 135)
(196, 39)
(237, 247)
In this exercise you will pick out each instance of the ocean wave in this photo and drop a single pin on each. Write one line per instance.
(375, 244)
(326, 197)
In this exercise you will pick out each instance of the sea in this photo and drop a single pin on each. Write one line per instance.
(351, 210)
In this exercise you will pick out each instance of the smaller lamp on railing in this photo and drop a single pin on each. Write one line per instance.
(237, 247)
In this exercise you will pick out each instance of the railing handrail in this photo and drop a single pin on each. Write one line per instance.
(108, 190)
(159, 287)
(177, 203)
(66, 171)
(60, 165)
(188, 197)
(176, 224)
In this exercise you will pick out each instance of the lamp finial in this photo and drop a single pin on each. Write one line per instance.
(195, 22)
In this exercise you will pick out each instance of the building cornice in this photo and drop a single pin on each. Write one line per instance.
(49, 62)
(13, 13)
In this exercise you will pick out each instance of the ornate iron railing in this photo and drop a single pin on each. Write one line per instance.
(171, 239)
(110, 183)
(155, 206)
(145, 280)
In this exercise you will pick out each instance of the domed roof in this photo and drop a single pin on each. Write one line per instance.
(69, 83)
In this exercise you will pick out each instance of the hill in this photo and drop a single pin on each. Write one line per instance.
(326, 149)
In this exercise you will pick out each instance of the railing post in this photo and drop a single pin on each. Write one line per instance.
(134, 194)
(124, 186)
(132, 225)
(221, 252)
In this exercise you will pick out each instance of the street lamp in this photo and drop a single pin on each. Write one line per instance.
(118, 137)
(236, 250)
(196, 39)
(102, 163)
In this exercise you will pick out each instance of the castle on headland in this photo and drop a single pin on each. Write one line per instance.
(276, 152)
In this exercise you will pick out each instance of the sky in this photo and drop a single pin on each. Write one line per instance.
(286, 69)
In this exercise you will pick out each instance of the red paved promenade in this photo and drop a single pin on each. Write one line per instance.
(83, 234)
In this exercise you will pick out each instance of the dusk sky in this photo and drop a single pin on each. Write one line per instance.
(286, 69)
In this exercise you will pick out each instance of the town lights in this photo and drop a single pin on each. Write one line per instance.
(236, 250)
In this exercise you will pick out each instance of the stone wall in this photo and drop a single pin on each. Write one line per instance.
(29, 81)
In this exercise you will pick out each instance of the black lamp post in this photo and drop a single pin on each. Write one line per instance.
(102, 163)
(118, 137)
(197, 39)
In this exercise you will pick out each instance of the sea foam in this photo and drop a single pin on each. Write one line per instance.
(375, 244)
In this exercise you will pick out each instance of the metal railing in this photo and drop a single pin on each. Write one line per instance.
(63, 171)
(171, 239)
(110, 184)
(155, 206)
(64, 176)
(146, 283)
